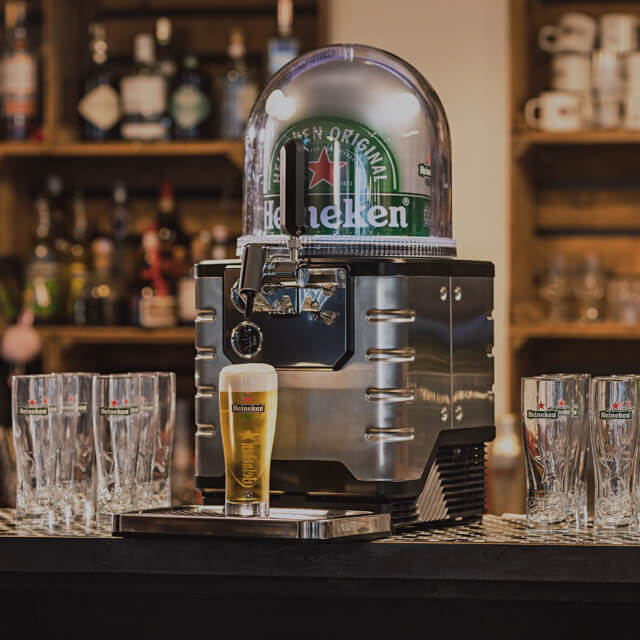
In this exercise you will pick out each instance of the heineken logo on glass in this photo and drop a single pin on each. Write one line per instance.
(354, 187)
(114, 409)
(549, 413)
(618, 411)
(247, 407)
(35, 409)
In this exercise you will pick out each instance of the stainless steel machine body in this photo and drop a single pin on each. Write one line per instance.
(387, 405)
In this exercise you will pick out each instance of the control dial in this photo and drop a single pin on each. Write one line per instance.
(246, 339)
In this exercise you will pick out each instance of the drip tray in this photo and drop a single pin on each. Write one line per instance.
(288, 524)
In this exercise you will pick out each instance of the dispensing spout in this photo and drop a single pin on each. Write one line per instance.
(256, 257)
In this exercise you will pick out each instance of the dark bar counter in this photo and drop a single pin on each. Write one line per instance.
(484, 578)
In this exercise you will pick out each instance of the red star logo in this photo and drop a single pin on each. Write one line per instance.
(561, 403)
(70, 398)
(628, 403)
(322, 169)
(32, 402)
(616, 405)
(114, 403)
(44, 400)
(247, 398)
(126, 400)
(540, 405)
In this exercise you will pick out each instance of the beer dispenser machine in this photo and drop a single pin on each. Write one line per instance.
(349, 286)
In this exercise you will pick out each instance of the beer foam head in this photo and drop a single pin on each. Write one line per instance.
(248, 377)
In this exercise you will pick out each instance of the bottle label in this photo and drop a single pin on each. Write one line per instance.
(157, 311)
(281, 51)
(101, 107)
(144, 95)
(189, 107)
(143, 131)
(353, 183)
(19, 84)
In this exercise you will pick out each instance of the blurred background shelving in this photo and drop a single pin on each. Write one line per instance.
(572, 194)
(204, 174)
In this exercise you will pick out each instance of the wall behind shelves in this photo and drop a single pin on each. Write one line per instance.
(461, 47)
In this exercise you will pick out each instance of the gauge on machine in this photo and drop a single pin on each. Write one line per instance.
(246, 339)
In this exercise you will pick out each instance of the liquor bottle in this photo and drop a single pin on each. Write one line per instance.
(61, 239)
(190, 104)
(42, 284)
(238, 90)
(126, 243)
(102, 302)
(220, 246)
(19, 75)
(144, 95)
(99, 107)
(200, 250)
(284, 47)
(78, 267)
(165, 49)
(155, 305)
(173, 244)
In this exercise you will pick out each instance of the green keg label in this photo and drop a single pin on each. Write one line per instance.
(353, 183)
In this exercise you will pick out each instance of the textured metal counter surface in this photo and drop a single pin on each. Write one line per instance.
(495, 549)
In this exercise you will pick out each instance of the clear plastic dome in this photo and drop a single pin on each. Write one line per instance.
(379, 161)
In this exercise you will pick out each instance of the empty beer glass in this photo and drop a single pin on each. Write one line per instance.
(161, 471)
(547, 409)
(248, 406)
(578, 452)
(35, 404)
(614, 445)
(75, 498)
(116, 430)
(149, 414)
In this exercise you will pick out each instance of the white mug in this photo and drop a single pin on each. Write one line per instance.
(554, 111)
(619, 32)
(575, 31)
(632, 73)
(632, 111)
(571, 72)
(608, 112)
(606, 73)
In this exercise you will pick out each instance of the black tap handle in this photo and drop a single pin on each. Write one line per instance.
(293, 181)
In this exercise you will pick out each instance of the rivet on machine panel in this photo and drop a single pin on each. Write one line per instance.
(457, 293)
(443, 293)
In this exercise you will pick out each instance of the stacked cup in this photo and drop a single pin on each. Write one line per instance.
(590, 86)
(63, 424)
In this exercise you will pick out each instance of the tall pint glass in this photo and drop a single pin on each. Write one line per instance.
(248, 408)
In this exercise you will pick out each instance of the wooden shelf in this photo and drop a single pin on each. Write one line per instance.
(525, 139)
(102, 335)
(59, 341)
(520, 334)
(233, 149)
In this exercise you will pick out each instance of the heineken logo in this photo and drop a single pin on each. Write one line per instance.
(618, 411)
(72, 407)
(353, 184)
(242, 407)
(35, 409)
(550, 413)
(114, 409)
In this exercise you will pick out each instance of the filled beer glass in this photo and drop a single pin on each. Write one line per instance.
(248, 407)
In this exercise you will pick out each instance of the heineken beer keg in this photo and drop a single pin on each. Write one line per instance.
(379, 169)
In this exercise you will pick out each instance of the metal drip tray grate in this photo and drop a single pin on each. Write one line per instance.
(495, 530)
(290, 524)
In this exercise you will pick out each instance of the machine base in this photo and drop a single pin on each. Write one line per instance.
(451, 490)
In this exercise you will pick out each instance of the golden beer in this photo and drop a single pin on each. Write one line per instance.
(248, 407)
